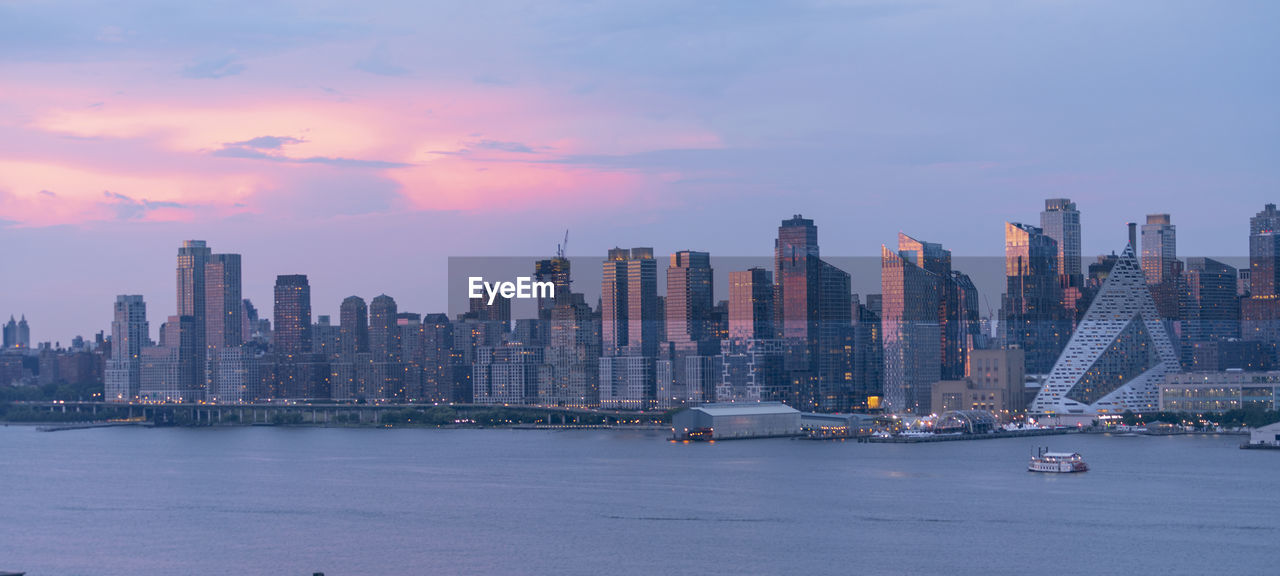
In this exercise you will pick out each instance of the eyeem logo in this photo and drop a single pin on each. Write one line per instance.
(523, 287)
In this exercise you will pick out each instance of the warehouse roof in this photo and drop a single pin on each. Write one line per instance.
(746, 408)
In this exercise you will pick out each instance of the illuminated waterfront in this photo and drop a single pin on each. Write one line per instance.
(368, 501)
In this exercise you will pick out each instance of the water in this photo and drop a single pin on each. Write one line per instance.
(119, 501)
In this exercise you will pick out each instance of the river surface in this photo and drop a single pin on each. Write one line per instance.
(255, 500)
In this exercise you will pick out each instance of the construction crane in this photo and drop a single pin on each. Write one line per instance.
(562, 249)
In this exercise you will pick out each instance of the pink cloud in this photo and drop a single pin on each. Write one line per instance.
(190, 145)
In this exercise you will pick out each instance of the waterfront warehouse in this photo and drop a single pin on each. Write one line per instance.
(736, 420)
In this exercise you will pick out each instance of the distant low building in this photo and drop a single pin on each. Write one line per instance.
(736, 420)
(951, 395)
(1268, 436)
(1219, 391)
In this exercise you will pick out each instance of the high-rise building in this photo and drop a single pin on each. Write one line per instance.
(1260, 312)
(572, 371)
(326, 338)
(222, 301)
(868, 352)
(193, 255)
(1032, 315)
(17, 334)
(928, 320)
(1210, 307)
(834, 352)
(957, 302)
(1264, 253)
(506, 374)
(292, 334)
(627, 383)
(130, 333)
(223, 328)
(912, 358)
(631, 327)
(1159, 248)
(556, 271)
(629, 303)
(353, 326)
(384, 336)
(498, 311)
(796, 270)
(252, 328)
(689, 299)
(1061, 221)
(387, 378)
(1118, 356)
(437, 344)
(689, 327)
(751, 304)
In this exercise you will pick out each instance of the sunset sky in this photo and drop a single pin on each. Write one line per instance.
(363, 144)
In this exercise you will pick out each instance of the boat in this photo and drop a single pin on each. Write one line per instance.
(1057, 462)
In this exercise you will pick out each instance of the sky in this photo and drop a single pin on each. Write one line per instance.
(363, 144)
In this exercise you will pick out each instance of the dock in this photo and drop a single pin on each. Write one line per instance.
(957, 437)
(86, 425)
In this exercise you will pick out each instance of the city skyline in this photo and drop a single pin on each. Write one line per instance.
(312, 141)
(438, 303)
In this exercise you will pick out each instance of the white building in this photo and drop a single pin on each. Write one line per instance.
(1268, 435)
(1118, 356)
(737, 420)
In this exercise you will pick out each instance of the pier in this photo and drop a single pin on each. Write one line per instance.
(957, 437)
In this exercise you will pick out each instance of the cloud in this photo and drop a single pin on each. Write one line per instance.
(48, 193)
(214, 68)
(252, 153)
(379, 62)
(267, 142)
(127, 208)
(502, 146)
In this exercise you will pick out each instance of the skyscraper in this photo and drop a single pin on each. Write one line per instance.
(556, 271)
(1264, 253)
(222, 301)
(630, 322)
(689, 299)
(353, 326)
(1032, 315)
(796, 270)
(629, 303)
(834, 352)
(957, 316)
(1117, 357)
(911, 332)
(130, 333)
(1260, 312)
(384, 336)
(292, 334)
(192, 299)
(1061, 221)
(751, 304)
(1159, 248)
(1210, 307)
(387, 378)
(11, 332)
